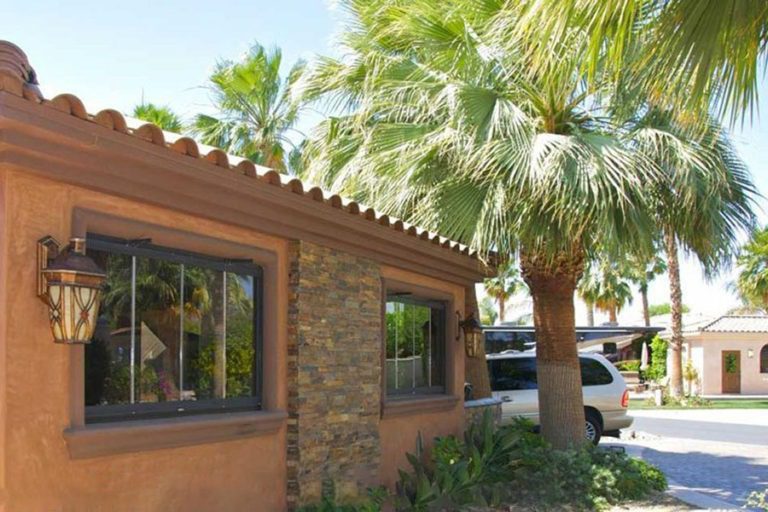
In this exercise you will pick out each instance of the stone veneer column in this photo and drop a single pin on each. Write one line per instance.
(334, 372)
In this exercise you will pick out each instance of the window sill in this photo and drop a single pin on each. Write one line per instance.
(132, 436)
(404, 406)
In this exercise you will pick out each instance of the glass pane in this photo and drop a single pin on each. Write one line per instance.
(436, 344)
(593, 373)
(204, 353)
(514, 374)
(157, 328)
(394, 320)
(241, 360)
(108, 356)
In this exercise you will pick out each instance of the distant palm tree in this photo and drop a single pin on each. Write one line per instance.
(703, 174)
(642, 272)
(255, 108)
(589, 290)
(614, 291)
(505, 285)
(752, 281)
(162, 116)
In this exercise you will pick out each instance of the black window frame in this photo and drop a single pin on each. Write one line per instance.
(180, 408)
(433, 304)
(764, 359)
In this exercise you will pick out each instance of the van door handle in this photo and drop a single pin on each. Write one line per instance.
(506, 399)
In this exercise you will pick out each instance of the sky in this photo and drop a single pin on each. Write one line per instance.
(114, 54)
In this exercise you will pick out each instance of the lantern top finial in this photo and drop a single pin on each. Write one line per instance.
(73, 259)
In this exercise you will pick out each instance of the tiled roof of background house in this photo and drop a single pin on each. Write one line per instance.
(18, 78)
(738, 323)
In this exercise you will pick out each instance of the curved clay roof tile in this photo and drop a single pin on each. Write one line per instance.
(69, 104)
(111, 119)
(247, 168)
(150, 133)
(335, 201)
(218, 157)
(316, 193)
(271, 177)
(353, 208)
(186, 146)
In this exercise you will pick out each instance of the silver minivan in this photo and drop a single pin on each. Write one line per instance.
(606, 398)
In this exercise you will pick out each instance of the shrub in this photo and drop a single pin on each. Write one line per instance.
(658, 367)
(758, 500)
(632, 365)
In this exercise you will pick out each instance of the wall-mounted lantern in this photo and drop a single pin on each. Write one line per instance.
(473, 335)
(750, 353)
(69, 282)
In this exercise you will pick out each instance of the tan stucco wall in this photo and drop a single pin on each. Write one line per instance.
(35, 401)
(399, 434)
(707, 349)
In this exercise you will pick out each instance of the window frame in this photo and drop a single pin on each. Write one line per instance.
(443, 307)
(143, 247)
(763, 359)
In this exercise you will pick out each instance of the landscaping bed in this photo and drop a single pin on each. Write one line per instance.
(703, 404)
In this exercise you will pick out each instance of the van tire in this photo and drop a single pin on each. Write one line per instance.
(593, 428)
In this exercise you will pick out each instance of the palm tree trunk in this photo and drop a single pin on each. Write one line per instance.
(612, 318)
(675, 369)
(476, 368)
(590, 314)
(561, 404)
(646, 313)
(502, 307)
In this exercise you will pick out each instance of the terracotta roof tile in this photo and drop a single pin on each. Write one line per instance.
(738, 323)
(18, 78)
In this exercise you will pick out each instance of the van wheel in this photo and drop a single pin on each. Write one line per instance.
(593, 429)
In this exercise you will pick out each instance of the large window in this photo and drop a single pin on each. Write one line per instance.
(178, 333)
(764, 359)
(415, 346)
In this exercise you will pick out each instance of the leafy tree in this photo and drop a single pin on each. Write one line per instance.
(658, 367)
(255, 109)
(752, 281)
(664, 309)
(444, 123)
(613, 292)
(162, 116)
(505, 285)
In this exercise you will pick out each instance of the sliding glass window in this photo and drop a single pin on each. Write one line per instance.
(415, 346)
(178, 333)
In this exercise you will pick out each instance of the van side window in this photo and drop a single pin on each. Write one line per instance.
(593, 373)
(513, 374)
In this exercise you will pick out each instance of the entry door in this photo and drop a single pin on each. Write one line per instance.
(731, 361)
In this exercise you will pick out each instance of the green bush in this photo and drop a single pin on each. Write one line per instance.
(631, 365)
(758, 500)
(658, 367)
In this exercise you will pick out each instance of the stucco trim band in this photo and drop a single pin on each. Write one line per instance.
(422, 404)
(126, 437)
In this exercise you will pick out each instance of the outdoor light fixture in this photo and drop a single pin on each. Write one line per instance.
(473, 335)
(69, 282)
(750, 353)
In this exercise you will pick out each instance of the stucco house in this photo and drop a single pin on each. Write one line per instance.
(258, 341)
(730, 355)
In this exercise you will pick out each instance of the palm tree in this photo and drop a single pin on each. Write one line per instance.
(444, 123)
(642, 273)
(506, 284)
(255, 109)
(589, 290)
(162, 116)
(703, 174)
(614, 291)
(697, 51)
(752, 281)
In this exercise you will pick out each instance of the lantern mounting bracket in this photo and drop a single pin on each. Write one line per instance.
(47, 250)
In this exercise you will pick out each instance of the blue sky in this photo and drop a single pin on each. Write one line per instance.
(111, 53)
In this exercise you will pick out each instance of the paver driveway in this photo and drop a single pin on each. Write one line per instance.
(695, 449)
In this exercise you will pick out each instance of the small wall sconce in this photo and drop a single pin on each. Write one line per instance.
(473, 335)
(69, 282)
(750, 353)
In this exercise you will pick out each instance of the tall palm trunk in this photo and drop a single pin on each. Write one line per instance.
(590, 314)
(561, 405)
(612, 315)
(646, 312)
(676, 300)
(476, 368)
(502, 307)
